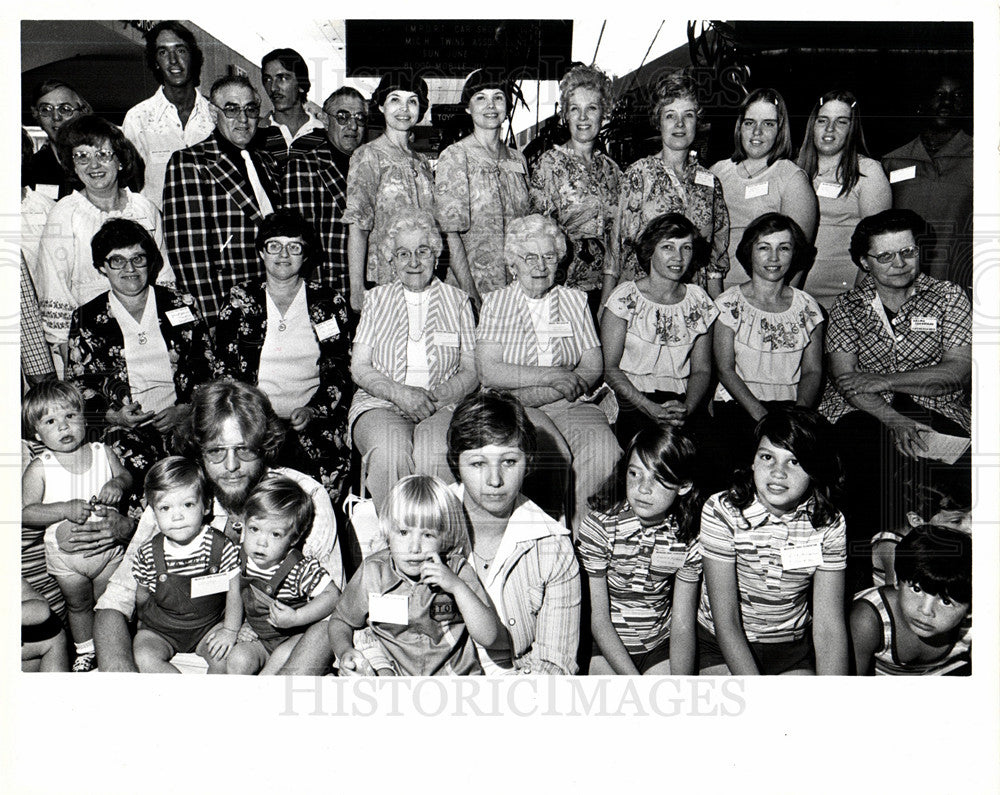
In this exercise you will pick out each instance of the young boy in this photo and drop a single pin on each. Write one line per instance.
(71, 482)
(922, 625)
(185, 575)
(284, 592)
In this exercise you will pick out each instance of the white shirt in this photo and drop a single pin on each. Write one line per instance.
(150, 378)
(289, 359)
(417, 365)
(312, 123)
(35, 208)
(154, 126)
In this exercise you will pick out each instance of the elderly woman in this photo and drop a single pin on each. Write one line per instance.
(285, 335)
(413, 359)
(480, 184)
(385, 177)
(849, 186)
(899, 349)
(538, 340)
(672, 181)
(578, 185)
(760, 178)
(137, 350)
(103, 162)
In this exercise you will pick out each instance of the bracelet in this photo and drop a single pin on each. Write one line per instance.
(237, 631)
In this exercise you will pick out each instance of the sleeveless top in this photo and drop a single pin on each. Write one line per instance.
(62, 485)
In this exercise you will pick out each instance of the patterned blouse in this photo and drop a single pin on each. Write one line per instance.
(659, 338)
(583, 198)
(768, 345)
(650, 189)
(382, 180)
(476, 195)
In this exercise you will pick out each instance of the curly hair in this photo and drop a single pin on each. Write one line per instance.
(118, 233)
(674, 86)
(782, 148)
(424, 501)
(585, 77)
(185, 35)
(803, 251)
(411, 219)
(91, 130)
(530, 227)
(670, 226)
(670, 455)
(849, 169)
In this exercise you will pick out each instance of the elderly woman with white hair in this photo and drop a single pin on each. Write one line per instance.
(538, 340)
(413, 360)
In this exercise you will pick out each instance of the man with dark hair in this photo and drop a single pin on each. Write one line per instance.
(215, 195)
(53, 103)
(177, 115)
(235, 434)
(290, 127)
(316, 181)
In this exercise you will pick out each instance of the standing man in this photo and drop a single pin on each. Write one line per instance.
(215, 195)
(316, 181)
(177, 115)
(290, 127)
(53, 103)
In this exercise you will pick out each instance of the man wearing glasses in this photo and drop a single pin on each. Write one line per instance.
(53, 103)
(316, 181)
(236, 435)
(215, 195)
(177, 115)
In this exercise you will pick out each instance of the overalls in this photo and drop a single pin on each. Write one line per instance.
(256, 610)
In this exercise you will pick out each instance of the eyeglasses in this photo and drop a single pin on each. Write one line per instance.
(233, 111)
(533, 259)
(65, 109)
(885, 257)
(293, 247)
(403, 256)
(344, 116)
(82, 157)
(216, 455)
(116, 261)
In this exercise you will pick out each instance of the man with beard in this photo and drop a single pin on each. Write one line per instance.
(290, 128)
(236, 435)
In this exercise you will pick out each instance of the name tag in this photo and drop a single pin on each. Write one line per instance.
(668, 559)
(208, 584)
(327, 329)
(920, 323)
(50, 191)
(446, 339)
(389, 608)
(560, 329)
(546, 358)
(514, 166)
(753, 191)
(828, 190)
(807, 557)
(180, 316)
(704, 178)
(902, 174)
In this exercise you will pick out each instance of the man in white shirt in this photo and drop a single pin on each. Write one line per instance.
(177, 115)
(290, 127)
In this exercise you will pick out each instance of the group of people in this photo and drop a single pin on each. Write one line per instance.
(250, 316)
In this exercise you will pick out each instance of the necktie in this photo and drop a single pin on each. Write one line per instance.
(263, 203)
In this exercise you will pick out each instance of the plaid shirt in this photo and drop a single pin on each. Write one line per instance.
(856, 327)
(315, 185)
(210, 220)
(36, 357)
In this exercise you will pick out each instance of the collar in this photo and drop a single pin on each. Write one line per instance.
(311, 123)
(527, 521)
(757, 515)
(628, 524)
(228, 148)
(164, 105)
(122, 315)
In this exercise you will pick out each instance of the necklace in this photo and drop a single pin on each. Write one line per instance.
(746, 170)
(484, 562)
(142, 338)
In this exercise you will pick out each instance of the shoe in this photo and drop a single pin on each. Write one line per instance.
(84, 663)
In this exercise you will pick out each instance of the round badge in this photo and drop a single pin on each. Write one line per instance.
(162, 578)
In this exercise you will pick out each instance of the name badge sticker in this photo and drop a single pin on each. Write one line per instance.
(704, 178)
(560, 329)
(49, 191)
(668, 559)
(446, 339)
(807, 557)
(902, 174)
(923, 323)
(208, 584)
(389, 608)
(828, 190)
(180, 316)
(327, 329)
(753, 191)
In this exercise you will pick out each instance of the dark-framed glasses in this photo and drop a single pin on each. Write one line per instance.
(233, 111)
(885, 257)
(216, 455)
(344, 116)
(45, 110)
(116, 261)
(293, 247)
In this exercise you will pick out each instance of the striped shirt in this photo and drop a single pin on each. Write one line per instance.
(773, 601)
(448, 332)
(505, 319)
(640, 564)
(307, 579)
(144, 567)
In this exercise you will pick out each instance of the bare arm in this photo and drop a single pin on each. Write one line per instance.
(683, 625)
(829, 628)
(720, 580)
(533, 385)
(700, 377)
(604, 632)
(949, 375)
(724, 346)
(799, 203)
(357, 256)
(811, 378)
(35, 513)
(412, 402)
(459, 265)
(113, 642)
(319, 608)
(866, 637)
(459, 385)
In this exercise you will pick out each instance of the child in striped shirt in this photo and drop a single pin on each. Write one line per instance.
(284, 592)
(187, 594)
(768, 542)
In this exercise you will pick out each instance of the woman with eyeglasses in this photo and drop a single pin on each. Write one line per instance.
(286, 336)
(102, 161)
(53, 104)
(413, 360)
(537, 340)
(138, 350)
(849, 186)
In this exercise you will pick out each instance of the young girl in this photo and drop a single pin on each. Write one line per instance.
(420, 597)
(283, 591)
(640, 551)
(68, 484)
(774, 535)
(185, 575)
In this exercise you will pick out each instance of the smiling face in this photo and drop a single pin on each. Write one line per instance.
(283, 265)
(281, 86)
(832, 126)
(414, 259)
(535, 267)
(401, 110)
(492, 477)
(771, 256)
(679, 124)
(179, 513)
(780, 480)
(649, 499)
(52, 121)
(488, 108)
(901, 271)
(240, 130)
(929, 615)
(268, 539)
(759, 129)
(946, 103)
(173, 57)
(348, 136)
(672, 257)
(61, 428)
(131, 279)
(584, 115)
(98, 174)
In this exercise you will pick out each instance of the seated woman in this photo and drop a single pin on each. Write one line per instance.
(768, 341)
(656, 332)
(137, 350)
(285, 335)
(538, 340)
(413, 359)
